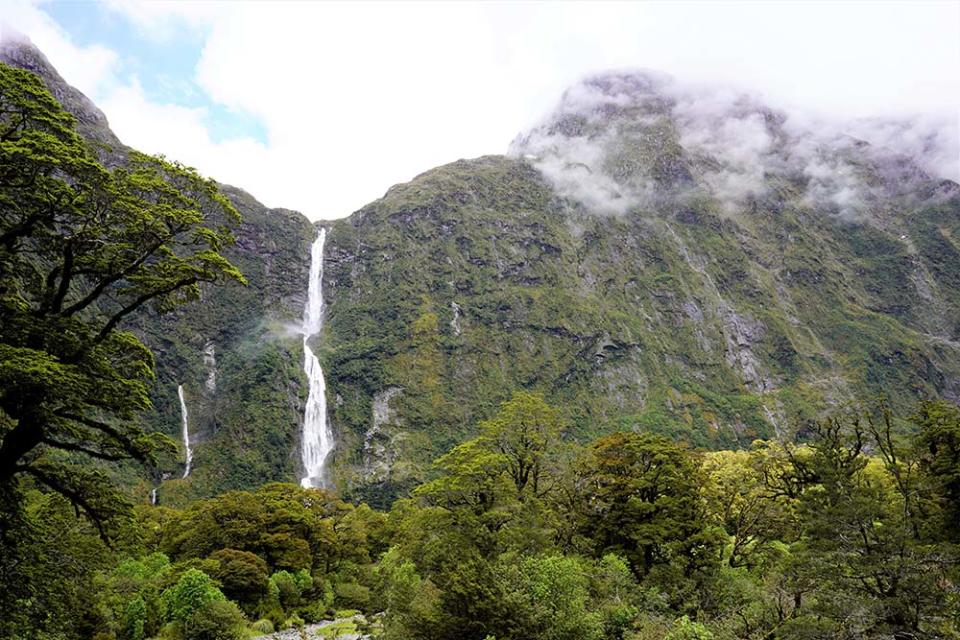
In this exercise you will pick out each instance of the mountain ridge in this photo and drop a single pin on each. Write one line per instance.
(647, 260)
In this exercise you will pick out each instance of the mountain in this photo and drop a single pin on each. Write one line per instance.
(650, 257)
(233, 352)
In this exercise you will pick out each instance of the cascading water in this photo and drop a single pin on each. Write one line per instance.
(186, 430)
(317, 437)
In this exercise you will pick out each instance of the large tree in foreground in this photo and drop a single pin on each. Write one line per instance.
(82, 247)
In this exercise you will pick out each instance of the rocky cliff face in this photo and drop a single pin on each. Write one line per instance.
(245, 426)
(648, 257)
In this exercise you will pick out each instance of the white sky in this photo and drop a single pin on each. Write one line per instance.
(357, 97)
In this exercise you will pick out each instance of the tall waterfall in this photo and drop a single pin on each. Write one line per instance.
(186, 430)
(317, 438)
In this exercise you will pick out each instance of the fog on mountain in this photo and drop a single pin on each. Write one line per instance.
(678, 365)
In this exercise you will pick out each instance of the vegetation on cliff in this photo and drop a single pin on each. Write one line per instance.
(648, 411)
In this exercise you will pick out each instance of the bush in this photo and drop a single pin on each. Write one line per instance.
(216, 620)
(262, 626)
(285, 589)
(351, 595)
(684, 629)
(193, 592)
(242, 575)
(293, 622)
(134, 619)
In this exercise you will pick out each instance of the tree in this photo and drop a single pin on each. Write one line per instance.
(48, 558)
(505, 466)
(737, 499)
(472, 478)
(411, 604)
(192, 592)
(215, 620)
(523, 431)
(869, 533)
(243, 575)
(548, 597)
(684, 629)
(939, 452)
(640, 499)
(82, 248)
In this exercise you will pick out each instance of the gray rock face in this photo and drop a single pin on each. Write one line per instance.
(742, 332)
(378, 454)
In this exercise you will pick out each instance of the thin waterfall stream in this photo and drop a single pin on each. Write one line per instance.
(317, 439)
(186, 431)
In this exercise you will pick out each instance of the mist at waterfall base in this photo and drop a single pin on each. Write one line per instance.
(317, 439)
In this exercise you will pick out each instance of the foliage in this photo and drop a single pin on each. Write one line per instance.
(684, 629)
(242, 575)
(548, 597)
(215, 620)
(192, 592)
(82, 247)
(641, 500)
(846, 535)
(939, 443)
(522, 432)
(47, 565)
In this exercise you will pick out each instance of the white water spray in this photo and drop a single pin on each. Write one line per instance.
(186, 430)
(317, 437)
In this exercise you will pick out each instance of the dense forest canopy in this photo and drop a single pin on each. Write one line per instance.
(846, 527)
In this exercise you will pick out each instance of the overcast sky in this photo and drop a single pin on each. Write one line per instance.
(321, 107)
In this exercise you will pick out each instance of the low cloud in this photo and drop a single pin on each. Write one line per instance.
(356, 97)
(617, 140)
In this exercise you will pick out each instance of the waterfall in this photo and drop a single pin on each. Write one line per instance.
(153, 496)
(186, 431)
(317, 438)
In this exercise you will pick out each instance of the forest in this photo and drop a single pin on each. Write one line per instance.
(848, 526)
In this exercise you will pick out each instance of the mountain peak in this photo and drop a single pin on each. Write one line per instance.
(17, 50)
(628, 140)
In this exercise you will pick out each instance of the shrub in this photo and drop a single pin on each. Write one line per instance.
(134, 619)
(262, 626)
(293, 622)
(284, 589)
(351, 595)
(242, 575)
(685, 629)
(193, 591)
(215, 620)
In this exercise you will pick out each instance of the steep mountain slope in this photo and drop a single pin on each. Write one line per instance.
(712, 275)
(233, 352)
(239, 360)
(648, 257)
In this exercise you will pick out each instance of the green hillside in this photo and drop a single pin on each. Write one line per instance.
(607, 262)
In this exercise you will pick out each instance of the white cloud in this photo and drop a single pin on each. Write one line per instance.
(91, 69)
(157, 128)
(162, 19)
(356, 97)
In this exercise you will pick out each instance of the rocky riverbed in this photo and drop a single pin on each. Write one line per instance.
(339, 629)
